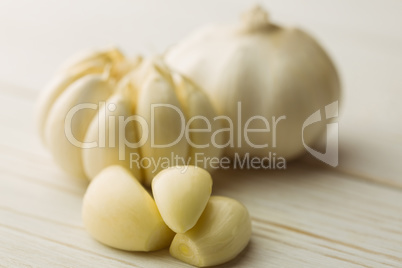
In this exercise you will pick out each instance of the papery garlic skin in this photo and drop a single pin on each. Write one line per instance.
(119, 212)
(270, 70)
(101, 57)
(181, 194)
(222, 232)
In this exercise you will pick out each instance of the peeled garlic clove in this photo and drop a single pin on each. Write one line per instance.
(119, 212)
(109, 132)
(93, 62)
(69, 119)
(221, 233)
(159, 106)
(201, 125)
(181, 194)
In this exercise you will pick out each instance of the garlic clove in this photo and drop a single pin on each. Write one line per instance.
(93, 62)
(118, 212)
(69, 119)
(222, 232)
(181, 194)
(159, 106)
(110, 132)
(201, 125)
(54, 89)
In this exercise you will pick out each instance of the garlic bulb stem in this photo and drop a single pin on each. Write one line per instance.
(255, 18)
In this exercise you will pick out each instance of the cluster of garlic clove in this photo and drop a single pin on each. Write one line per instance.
(210, 230)
(95, 112)
(201, 229)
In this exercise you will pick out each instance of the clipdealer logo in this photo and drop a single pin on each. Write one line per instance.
(330, 156)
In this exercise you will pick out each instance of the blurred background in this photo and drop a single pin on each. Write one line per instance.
(37, 36)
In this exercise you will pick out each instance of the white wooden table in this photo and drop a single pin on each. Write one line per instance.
(310, 215)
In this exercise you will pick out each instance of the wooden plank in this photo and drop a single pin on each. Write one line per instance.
(30, 166)
(263, 250)
(348, 215)
(298, 215)
(366, 155)
(19, 249)
(305, 213)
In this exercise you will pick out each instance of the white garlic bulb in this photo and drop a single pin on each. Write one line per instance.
(256, 70)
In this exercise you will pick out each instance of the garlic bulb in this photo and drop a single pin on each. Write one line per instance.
(104, 110)
(268, 79)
